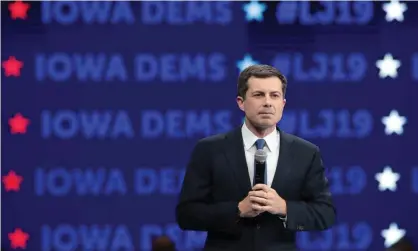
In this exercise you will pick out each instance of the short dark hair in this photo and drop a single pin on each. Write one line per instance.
(259, 71)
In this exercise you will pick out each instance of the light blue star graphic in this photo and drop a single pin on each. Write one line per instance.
(246, 62)
(254, 10)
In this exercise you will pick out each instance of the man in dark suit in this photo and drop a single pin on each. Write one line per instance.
(218, 194)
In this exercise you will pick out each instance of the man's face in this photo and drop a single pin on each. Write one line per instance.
(264, 102)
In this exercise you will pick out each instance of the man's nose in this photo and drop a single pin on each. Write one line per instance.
(267, 102)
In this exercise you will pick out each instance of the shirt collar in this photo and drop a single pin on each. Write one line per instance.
(249, 138)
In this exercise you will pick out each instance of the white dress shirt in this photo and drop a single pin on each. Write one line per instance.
(272, 147)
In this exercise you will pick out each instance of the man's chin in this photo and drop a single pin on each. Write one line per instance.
(266, 124)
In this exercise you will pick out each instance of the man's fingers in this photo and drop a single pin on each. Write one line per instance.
(260, 208)
(259, 193)
(259, 200)
(263, 187)
(265, 208)
(256, 207)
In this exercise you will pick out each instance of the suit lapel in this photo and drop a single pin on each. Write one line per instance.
(235, 154)
(284, 162)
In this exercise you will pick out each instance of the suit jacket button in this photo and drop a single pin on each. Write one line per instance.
(258, 226)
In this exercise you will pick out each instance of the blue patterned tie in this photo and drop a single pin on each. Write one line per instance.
(260, 143)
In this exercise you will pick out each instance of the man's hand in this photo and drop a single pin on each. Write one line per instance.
(246, 208)
(266, 199)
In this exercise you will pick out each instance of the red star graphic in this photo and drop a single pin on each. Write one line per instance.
(12, 67)
(18, 124)
(18, 239)
(12, 181)
(18, 9)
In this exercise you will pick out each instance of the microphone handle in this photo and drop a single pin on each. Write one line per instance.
(259, 173)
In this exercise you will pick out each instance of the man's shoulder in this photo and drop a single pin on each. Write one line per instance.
(209, 143)
(217, 139)
(213, 139)
(301, 143)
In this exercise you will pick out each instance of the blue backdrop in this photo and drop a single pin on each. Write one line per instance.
(118, 93)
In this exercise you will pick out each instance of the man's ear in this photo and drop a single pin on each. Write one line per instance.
(240, 103)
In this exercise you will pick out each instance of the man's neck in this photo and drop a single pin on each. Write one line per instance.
(259, 132)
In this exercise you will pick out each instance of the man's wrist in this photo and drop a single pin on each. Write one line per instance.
(238, 216)
(283, 217)
(282, 210)
(284, 220)
(239, 209)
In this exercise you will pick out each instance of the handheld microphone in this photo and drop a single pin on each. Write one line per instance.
(260, 167)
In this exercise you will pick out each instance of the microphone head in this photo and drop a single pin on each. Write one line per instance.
(260, 156)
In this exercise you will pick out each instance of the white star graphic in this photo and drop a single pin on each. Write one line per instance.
(388, 66)
(246, 62)
(387, 179)
(254, 10)
(394, 10)
(393, 234)
(394, 123)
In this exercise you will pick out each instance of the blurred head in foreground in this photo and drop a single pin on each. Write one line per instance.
(163, 243)
(402, 245)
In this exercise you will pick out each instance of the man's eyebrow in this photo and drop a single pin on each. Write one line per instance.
(278, 92)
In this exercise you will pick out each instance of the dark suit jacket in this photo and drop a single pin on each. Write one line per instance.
(217, 179)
